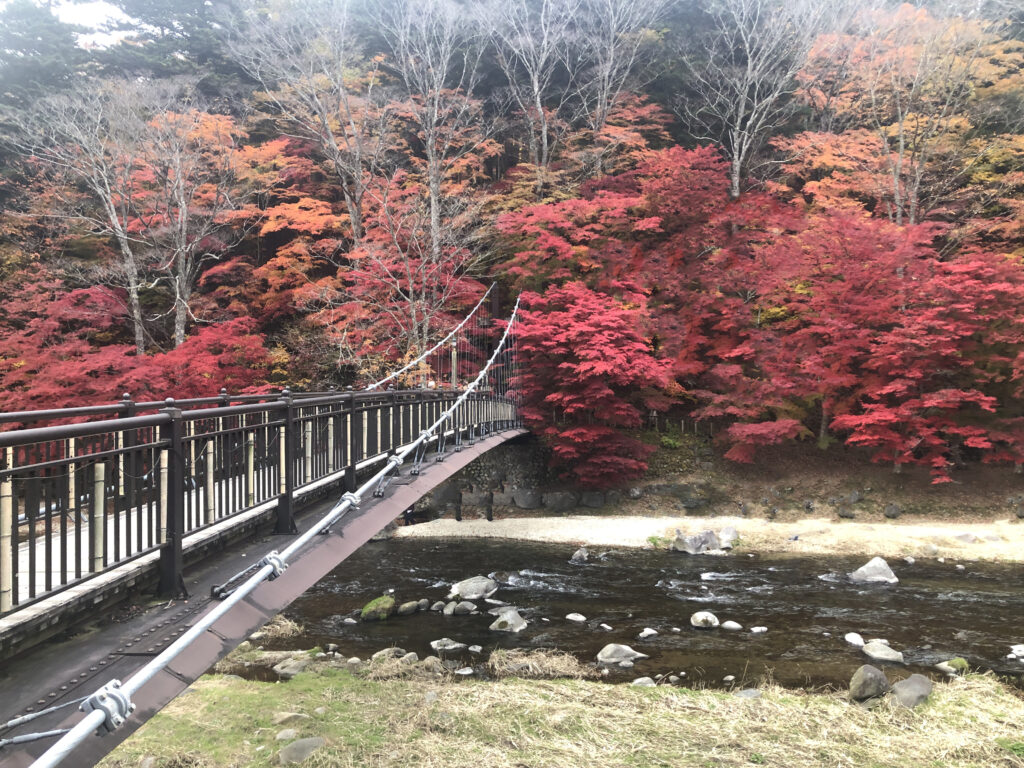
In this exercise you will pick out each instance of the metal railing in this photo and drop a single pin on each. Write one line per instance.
(77, 500)
(455, 414)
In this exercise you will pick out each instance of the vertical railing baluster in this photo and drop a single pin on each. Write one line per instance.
(209, 494)
(250, 470)
(307, 455)
(97, 518)
(355, 438)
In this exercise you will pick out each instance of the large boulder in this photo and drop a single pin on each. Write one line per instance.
(509, 620)
(695, 544)
(592, 499)
(727, 537)
(616, 653)
(473, 588)
(289, 668)
(882, 652)
(913, 691)
(464, 608)
(875, 570)
(868, 682)
(378, 609)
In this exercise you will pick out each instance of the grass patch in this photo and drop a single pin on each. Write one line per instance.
(971, 722)
(1014, 747)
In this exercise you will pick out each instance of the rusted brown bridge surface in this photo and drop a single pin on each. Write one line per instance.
(66, 671)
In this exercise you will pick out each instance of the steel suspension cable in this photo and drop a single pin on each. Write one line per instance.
(423, 357)
(107, 708)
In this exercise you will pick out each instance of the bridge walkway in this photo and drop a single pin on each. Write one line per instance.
(65, 671)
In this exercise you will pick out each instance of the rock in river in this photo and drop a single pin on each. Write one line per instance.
(732, 626)
(509, 620)
(704, 620)
(882, 652)
(615, 653)
(378, 609)
(446, 644)
(579, 618)
(696, 544)
(868, 682)
(875, 570)
(580, 556)
(473, 588)
(854, 639)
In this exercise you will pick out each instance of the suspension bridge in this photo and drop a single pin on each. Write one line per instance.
(175, 494)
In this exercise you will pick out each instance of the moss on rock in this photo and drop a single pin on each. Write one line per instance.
(378, 609)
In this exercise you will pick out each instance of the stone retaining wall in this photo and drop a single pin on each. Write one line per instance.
(516, 476)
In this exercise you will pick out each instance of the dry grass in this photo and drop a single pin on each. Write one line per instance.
(538, 664)
(973, 722)
(279, 628)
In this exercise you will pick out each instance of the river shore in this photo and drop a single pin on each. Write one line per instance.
(346, 719)
(997, 539)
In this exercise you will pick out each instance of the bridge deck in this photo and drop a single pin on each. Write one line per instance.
(65, 671)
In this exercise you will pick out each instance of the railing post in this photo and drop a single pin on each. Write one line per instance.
(97, 518)
(172, 581)
(6, 527)
(285, 522)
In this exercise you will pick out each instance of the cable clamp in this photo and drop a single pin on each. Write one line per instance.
(112, 702)
(354, 499)
(275, 561)
(395, 461)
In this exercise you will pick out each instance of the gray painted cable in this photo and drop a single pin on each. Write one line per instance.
(422, 357)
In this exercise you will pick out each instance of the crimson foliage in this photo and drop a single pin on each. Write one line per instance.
(588, 374)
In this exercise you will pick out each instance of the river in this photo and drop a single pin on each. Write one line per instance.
(808, 605)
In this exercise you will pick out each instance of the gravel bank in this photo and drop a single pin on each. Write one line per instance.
(997, 540)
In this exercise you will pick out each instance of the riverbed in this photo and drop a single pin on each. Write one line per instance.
(806, 603)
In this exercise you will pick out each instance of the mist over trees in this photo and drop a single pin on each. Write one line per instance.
(794, 220)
